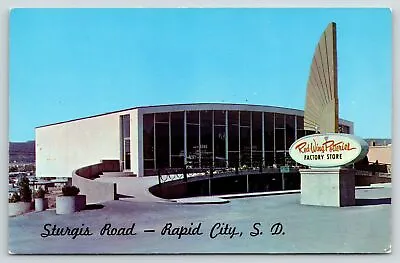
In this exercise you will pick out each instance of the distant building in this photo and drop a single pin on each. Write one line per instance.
(378, 142)
(380, 154)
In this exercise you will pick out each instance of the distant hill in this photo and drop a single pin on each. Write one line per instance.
(22, 152)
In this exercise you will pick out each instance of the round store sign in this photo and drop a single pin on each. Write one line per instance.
(328, 150)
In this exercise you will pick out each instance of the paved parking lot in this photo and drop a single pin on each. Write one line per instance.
(211, 228)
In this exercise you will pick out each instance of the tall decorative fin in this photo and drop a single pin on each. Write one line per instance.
(321, 109)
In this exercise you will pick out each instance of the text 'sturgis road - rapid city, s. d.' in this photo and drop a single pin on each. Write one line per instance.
(214, 231)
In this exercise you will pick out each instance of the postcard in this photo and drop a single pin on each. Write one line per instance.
(200, 131)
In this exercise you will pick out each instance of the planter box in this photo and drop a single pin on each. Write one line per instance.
(80, 202)
(41, 204)
(65, 205)
(19, 208)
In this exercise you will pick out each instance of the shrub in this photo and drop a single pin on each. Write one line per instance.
(14, 198)
(69, 190)
(40, 193)
(24, 191)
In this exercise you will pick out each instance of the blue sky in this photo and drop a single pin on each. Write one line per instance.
(72, 63)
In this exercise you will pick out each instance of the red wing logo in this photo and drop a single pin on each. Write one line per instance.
(328, 146)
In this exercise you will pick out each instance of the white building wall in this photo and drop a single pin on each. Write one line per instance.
(62, 148)
(136, 147)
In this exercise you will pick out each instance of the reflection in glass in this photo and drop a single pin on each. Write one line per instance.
(148, 138)
(177, 161)
(219, 146)
(279, 120)
(269, 131)
(233, 159)
(280, 139)
(208, 136)
(162, 145)
(126, 126)
(177, 134)
(125, 150)
(300, 122)
(290, 130)
(256, 131)
(300, 126)
(257, 160)
(269, 158)
(219, 117)
(148, 164)
(233, 131)
(192, 139)
(245, 118)
(245, 147)
(162, 117)
(192, 117)
(280, 158)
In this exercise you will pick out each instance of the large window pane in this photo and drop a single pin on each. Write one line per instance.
(269, 131)
(177, 161)
(148, 136)
(192, 139)
(233, 131)
(245, 146)
(206, 138)
(177, 133)
(256, 158)
(192, 117)
(219, 146)
(279, 120)
(300, 123)
(300, 133)
(206, 131)
(257, 131)
(219, 117)
(280, 139)
(206, 159)
(233, 117)
(162, 117)
(162, 145)
(245, 159)
(269, 158)
(233, 159)
(280, 158)
(245, 118)
(148, 164)
(290, 130)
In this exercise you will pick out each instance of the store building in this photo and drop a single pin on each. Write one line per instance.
(148, 140)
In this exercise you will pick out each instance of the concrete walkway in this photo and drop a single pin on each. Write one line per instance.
(136, 189)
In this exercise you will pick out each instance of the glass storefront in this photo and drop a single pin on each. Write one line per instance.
(219, 138)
